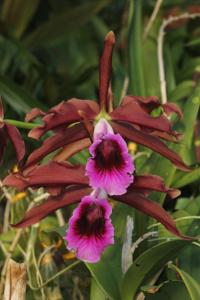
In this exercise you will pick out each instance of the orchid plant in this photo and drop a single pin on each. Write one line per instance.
(110, 171)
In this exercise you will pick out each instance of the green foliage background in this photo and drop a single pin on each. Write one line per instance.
(49, 51)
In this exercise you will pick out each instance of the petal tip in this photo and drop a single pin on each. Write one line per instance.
(110, 37)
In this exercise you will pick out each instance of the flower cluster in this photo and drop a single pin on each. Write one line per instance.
(109, 172)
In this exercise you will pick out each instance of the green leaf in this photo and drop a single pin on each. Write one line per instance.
(95, 292)
(18, 13)
(57, 27)
(18, 98)
(135, 50)
(107, 272)
(191, 284)
(147, 265)
(182, 90)
(191, 109)
(187, 178)
(194, 42)
(152, 82)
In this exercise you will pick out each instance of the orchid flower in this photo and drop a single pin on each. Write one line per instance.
(132, 119)
(79, 124)
(90, 229)
(70, 185)
(110, 166)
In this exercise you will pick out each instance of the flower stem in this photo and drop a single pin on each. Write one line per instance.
(21, 124)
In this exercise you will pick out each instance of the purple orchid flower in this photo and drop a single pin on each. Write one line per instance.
(90, 229)
(110, 166)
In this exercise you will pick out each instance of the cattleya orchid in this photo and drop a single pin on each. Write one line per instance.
(79, 124)
(110, 166)
(90, 229)
(132, 119)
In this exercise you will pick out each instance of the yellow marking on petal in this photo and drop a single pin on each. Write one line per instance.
(15, 169)
(19, 196)
(132, 147)
(112, 203)
(69, 255)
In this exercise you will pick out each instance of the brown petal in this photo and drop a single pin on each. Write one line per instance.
(3, 141)
(16, 139)
(72, 149)
(137, 136)
(147, 103)
(170, 108)
(54, 174)
(152, 183)
(67, 197)
(1, 109)
(105, 69)
(152, 209)
(167, 137)
(59, 140)
(34, 113)
(64, 114)
(136, 113)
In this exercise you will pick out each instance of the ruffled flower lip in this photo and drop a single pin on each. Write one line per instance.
(90, 230)
(110, 166)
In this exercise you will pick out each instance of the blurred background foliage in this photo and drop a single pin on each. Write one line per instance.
(49, 51)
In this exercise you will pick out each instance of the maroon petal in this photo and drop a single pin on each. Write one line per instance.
(170, 108)
(64, 114)
(152, 183)
(167, 137)
(131, 133)
(105, 69)
(60, 139)
(67, 197)
(3, 141)
(72, 149)
(34, 113)
(1, 110)
(135, 112)
(146, 103)
(151, 209)
(16, 139)
(52, 175)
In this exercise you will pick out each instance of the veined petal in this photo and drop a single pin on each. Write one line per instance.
(90, 230)
(110, 166)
